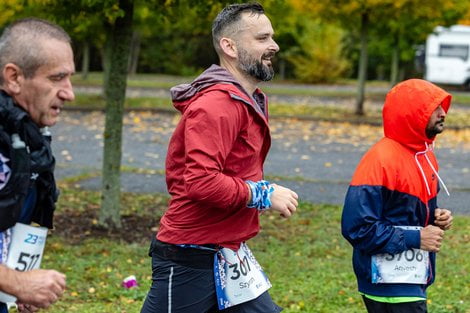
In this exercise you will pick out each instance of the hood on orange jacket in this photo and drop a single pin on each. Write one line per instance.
(407, 109)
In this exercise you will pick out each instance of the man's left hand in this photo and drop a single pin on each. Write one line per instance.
(443, 218)
(284, 200)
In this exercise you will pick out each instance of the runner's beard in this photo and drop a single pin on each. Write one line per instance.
(256, 68)
(437, 128)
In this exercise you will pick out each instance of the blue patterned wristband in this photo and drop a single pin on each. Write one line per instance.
(260, 195)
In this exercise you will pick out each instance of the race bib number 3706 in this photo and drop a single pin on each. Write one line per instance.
(238, 277)
(408, 267)
(25, 251)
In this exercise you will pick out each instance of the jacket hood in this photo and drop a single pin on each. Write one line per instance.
(407, 109)
(215, 74)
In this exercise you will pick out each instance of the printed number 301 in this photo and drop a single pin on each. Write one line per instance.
(244, 268)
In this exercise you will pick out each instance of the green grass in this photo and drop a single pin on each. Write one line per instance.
(97, 102)
(168, 81)
(279, 88)
(307, 260)
(461, 99)
(315, 92)
(303, 111)
(139, 80)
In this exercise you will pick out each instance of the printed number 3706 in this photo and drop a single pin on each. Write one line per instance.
(409, 255)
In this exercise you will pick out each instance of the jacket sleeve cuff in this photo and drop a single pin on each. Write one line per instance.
(412, 239)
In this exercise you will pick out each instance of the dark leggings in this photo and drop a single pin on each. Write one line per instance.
(405, 307)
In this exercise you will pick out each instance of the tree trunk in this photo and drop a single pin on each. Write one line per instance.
(107, 53)
(395, 61)
(135, 50)
(85, 60)
(119, 48)
(362, 72)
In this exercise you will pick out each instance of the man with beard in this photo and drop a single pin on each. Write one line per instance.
(214, 170)
(390, 215)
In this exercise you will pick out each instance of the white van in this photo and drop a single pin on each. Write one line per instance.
(447, 56)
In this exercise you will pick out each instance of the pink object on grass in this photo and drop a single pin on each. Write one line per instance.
(129, 282)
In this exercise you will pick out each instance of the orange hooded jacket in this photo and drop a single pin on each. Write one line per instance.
(395, 185)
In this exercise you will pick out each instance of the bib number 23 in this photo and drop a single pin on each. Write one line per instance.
(25, 251)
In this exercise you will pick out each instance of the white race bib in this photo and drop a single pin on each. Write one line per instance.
(238, 277)
(25, 251)
(408, 267)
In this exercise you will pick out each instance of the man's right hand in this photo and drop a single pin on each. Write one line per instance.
(39, 288)
(284, 200)
(431, 238)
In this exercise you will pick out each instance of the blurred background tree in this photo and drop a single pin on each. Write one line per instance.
(324, 41)
(321, 58)
(320, 40)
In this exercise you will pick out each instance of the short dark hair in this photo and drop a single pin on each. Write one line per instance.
(227, 18)
(20, 44)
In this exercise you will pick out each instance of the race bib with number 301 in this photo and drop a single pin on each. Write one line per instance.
(25, 251)
(408, 267)
(238, 277)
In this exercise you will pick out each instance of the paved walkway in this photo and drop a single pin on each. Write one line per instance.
(316, 159)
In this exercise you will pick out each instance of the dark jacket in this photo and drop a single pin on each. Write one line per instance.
(31, 164)
(395, 185)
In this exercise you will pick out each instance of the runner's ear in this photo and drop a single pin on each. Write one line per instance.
(12, 78)
(229, 47)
